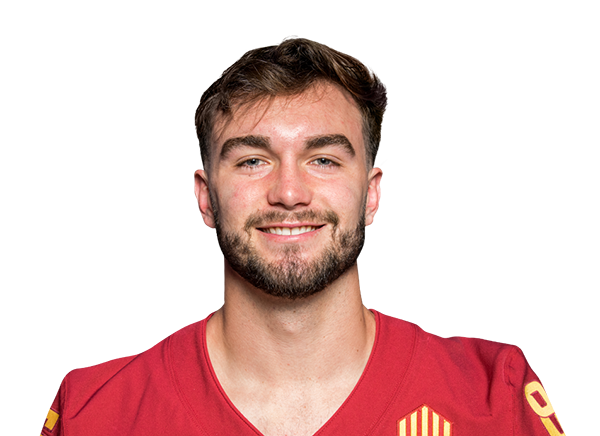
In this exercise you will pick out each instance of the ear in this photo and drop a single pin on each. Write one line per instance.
(373, 195)
(203, 197)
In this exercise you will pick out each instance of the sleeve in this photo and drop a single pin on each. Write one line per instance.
(533, 414)
(53, 424)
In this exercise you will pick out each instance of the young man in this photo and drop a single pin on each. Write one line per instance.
(288, 138)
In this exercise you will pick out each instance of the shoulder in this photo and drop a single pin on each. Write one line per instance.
(95, 387)
(126, 377)
(462, 357)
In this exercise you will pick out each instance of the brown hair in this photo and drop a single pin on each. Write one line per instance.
(288, 69)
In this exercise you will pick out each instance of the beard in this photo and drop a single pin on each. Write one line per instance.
(292, 277)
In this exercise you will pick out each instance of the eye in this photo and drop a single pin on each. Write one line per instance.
(252, 163)
(324, 162)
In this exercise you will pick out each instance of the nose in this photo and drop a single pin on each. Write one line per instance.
(289, 188)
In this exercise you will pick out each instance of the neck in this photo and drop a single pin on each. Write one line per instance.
(263, 338)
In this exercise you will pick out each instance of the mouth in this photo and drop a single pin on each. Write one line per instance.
(289, 231)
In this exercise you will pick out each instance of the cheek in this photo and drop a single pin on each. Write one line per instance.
(237, 202)
(345, 199)
(247, 195)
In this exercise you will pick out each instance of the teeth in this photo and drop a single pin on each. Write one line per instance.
(287, 231)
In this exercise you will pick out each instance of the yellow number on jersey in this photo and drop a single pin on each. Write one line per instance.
(540, 403)
(51, 420)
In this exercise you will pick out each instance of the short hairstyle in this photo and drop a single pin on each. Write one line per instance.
(289, 69)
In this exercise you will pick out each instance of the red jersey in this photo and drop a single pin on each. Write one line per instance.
(414, 384)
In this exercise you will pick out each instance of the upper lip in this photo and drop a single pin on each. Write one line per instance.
(291, 226)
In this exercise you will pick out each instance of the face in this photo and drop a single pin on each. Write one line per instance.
(289, 191)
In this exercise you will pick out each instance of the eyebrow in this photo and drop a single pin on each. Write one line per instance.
(254, 141)
(264, 143)
(336, 139)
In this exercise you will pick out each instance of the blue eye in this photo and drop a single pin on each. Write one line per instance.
(252, 163)
(323, 161)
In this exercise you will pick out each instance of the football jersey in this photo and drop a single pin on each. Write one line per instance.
(414, 384)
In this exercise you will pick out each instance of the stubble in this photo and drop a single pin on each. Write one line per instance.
(291, 276)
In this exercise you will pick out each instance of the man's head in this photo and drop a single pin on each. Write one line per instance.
(289, 183)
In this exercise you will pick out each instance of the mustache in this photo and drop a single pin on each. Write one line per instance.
(263, 219)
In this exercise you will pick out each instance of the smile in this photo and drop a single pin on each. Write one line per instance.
(289, 231)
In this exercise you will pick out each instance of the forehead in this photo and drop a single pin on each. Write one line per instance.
(321, 110)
